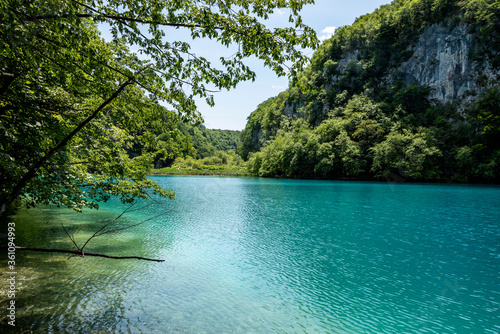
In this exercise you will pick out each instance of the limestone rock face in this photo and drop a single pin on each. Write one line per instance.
(442, 60)
(444, 57)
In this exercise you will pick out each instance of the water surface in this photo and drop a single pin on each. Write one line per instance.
(249, 255)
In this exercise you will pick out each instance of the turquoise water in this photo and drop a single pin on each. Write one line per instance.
(249, 255)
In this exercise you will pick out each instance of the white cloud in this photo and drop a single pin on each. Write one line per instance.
(281, 12)
(327, 33)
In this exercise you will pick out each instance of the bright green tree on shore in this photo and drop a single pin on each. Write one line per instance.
(71, 104)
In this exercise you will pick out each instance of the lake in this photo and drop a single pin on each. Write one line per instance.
(252, 255)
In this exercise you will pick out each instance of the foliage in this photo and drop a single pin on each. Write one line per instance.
(407, 154)
(80, 118)
(207, 142)
(262, 124)
(222, 163)
(479, 157)
(484, 16)
(348, 114)
(484, 112)
(183, 140)
(363, 139)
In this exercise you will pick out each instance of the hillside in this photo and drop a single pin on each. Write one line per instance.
(207, 142)
(408, 92)
(184, 140)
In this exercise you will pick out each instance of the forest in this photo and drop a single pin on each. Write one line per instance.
(81, 118)
(100, 99)
(199, 151)
(185, 140)
(84, 118)
(352, 122)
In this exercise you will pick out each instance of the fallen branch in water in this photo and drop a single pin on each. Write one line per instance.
(105, 229)
(80, 253)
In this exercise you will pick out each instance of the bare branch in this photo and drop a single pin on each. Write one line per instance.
(79, 250)
(71, 237)
(53, 250)
(97, 233)
(129, 226)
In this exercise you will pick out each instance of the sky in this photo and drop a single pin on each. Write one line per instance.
(233, 107)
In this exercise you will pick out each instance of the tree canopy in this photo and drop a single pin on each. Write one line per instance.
(71, 103)
(349, 114)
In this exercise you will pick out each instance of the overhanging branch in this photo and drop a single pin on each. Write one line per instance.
(32, 172)
(115, 17)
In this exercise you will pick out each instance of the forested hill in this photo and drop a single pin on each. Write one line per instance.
(207, 142)
(408, 92)
(184, 140)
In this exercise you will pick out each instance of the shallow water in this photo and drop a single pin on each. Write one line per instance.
(249, 255)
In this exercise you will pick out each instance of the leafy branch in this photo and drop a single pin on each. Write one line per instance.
(32, 172)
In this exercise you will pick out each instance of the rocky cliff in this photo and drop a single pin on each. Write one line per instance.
(443, 60)
(403, 73)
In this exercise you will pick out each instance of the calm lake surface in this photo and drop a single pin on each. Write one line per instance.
(249, 255)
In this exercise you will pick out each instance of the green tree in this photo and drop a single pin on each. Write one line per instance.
(70, 102)
(407, 154)
(485, 114)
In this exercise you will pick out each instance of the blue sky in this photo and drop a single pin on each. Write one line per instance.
(232, 108)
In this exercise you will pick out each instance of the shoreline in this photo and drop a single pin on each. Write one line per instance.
(383, 180)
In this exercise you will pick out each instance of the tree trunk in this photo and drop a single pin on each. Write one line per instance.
(32, 172)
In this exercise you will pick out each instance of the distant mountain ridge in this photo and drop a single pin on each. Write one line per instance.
(412, 76)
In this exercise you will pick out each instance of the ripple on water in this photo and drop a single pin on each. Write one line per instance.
(264, 256)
